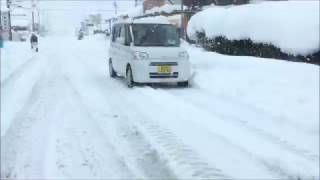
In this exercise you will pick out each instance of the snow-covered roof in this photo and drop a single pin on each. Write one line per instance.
(175, 19)
(3, 7)
(167, 8)
(20, 11)
(20, 22)
(133, 12)
(293, 26)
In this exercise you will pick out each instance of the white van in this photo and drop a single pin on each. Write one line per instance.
(145, 52)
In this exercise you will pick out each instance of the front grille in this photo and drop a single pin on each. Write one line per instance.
(163, 64)
(164, 75)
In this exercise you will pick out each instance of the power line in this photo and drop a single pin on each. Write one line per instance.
(100, 10)
(81, 0)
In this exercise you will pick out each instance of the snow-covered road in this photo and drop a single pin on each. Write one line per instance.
(62, 117)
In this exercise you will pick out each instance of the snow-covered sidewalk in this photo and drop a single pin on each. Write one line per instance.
(242, 118)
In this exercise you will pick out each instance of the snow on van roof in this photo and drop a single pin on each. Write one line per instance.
(152, 20)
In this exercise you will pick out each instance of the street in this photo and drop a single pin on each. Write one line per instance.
(66, 118)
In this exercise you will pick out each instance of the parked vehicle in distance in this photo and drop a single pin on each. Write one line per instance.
(148, 52)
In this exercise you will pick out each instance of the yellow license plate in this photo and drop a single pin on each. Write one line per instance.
(164, 69)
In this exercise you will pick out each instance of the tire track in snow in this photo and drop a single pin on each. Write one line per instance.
(94, 151)
(182, 155)
(80, 150)
(271, 166)
(21, 135)
(182, 160)
(150, 164)
(177, 155)
(244, 123)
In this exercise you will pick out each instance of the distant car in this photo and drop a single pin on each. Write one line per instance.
(80, 35)
(148, 52)
(23, 36)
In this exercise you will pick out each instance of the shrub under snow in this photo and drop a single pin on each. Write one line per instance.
(291, 26)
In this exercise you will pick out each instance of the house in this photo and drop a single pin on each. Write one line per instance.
(171, 9)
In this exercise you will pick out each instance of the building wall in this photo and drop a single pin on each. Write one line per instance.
(5, 20)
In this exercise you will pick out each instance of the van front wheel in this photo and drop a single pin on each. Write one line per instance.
(183, 84)
(129, 78)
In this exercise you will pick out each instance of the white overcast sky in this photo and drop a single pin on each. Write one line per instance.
(65, 15)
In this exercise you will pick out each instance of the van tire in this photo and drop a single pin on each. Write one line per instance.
(129, 78)
(112, 73)
(183, 84)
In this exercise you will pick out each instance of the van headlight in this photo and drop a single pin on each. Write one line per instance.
(184, 55)
(140, 55)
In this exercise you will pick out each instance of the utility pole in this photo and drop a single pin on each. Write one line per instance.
(32, 9)
(9, 19)
(182, 20)
(0, 21)
(38, 21)
(115, 6)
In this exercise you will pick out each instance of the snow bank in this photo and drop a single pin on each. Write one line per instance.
(288, 91)
(20, 70)
(293, 26)
(11, 60)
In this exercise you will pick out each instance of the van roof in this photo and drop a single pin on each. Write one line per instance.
(147, 20)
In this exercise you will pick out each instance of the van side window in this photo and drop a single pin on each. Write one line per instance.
(118, 32)
(128, 36)
(114, 33)
(122, 35)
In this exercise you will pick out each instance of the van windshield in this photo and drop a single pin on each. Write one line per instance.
(155, 35)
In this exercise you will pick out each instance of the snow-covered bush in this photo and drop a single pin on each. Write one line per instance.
(287, 29)
(246, 47)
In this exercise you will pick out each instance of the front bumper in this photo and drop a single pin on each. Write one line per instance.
(147, 71)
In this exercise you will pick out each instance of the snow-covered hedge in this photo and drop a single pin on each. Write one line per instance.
(291, 26)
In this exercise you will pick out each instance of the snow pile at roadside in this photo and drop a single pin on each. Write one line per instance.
(20, 69)
(293, 26)
(13, 56)
(167, 8)
(288, 91)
